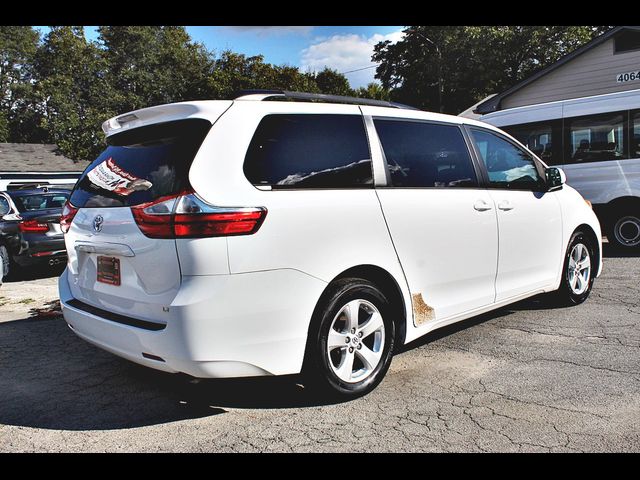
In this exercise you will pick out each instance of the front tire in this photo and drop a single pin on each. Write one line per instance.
(351, 340)
(578, 272)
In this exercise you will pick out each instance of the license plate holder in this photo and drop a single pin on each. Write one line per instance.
(108, 270)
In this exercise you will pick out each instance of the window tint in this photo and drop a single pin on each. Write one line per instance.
(595, 138)
(423, 154)
(309, 151)
(141, 165)
(4, 206)
(27, 203)
(507, 165)
(543, 139)
(635, 140)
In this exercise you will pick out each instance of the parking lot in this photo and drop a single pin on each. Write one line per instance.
(524, 378)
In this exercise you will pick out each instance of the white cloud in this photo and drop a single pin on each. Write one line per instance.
(345, 53)
(272, 30)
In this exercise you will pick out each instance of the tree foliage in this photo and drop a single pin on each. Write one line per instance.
(18, 46)
(72, 92)
(331, 82)
(449, 68)
(61, 88)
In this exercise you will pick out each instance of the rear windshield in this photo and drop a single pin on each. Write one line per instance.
(40, 201)
(141, 165)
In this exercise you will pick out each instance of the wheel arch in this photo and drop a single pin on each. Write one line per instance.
(591, 235)
(389, 286)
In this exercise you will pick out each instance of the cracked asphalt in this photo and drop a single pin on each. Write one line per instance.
(521, 379)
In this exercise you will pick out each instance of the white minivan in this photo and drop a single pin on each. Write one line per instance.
(282, 232)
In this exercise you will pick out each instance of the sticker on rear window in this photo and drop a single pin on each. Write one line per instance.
(109, 176)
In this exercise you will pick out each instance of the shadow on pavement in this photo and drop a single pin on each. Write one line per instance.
(609, 251)
(35, 272)
(51, 379)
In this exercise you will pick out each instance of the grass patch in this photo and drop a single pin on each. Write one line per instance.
(26, 301)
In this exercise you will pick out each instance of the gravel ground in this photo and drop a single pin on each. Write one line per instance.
(524, 378)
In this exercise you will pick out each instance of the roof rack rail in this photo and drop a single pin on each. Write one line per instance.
(259, 95)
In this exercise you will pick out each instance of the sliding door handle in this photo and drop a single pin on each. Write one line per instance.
(482, 206)
(505, 205)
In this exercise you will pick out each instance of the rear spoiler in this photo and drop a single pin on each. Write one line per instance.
(208, 110)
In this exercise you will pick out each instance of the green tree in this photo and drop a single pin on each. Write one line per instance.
(448, 68)
(234, 72)
(18, 120)
(72, 91)
(333, 83)
(151, 65)
(374, 91)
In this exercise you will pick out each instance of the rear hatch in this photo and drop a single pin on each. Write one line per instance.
(113, 265)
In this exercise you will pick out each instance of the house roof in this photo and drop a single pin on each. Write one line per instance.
(492, 104)
(36, 157)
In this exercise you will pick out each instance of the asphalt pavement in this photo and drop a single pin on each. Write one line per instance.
(523, 378)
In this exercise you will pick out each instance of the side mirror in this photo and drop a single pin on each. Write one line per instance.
(555, 178)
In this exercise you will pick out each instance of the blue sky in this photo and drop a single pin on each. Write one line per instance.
(307, 47)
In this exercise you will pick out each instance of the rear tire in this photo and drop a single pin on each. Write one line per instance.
(624, 229)
(578, 272)
(351, 340)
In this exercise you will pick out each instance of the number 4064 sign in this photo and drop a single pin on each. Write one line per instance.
(628, 77)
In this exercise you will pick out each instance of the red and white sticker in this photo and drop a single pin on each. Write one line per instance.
(109, 176)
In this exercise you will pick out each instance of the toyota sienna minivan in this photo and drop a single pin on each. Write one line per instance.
(284, 233)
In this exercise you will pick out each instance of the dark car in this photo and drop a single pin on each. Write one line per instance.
(30, 228)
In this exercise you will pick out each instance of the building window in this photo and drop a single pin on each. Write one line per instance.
(595, 138)
(627, 41)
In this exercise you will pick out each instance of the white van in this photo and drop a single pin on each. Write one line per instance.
(263, 237)
(596, 141)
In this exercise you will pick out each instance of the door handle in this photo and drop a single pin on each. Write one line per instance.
(481, 206)
(505, 205)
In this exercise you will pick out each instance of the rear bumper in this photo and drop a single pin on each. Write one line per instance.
(39, 248)
(27, 259)
(218, 326)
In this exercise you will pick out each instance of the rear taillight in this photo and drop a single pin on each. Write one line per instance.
(33, 226)
(68, 212)
(187, 216)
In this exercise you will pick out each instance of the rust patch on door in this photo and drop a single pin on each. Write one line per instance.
(422, 313)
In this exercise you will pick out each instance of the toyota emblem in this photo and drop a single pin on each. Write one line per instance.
(97, 223)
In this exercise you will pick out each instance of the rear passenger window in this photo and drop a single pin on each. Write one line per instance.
(423, 154)
(309, 151)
